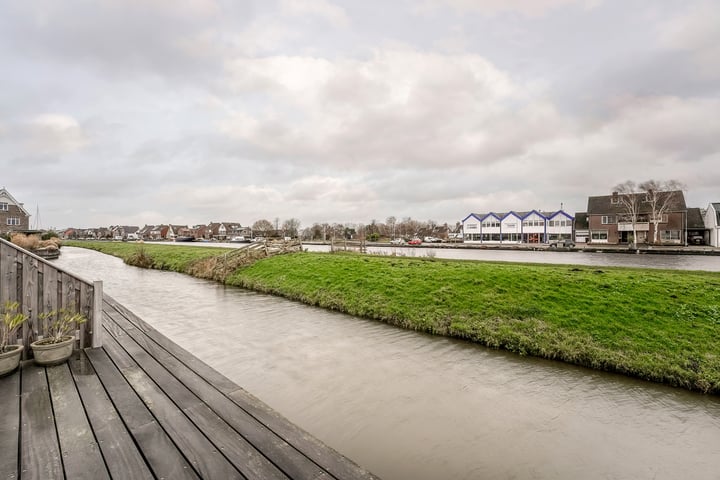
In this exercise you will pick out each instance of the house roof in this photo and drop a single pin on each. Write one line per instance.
(520, 215)
(716, 207)
(603, 205)
(6, 194)
(695, 219)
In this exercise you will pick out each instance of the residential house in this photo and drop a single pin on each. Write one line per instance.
(13, 216)
(695, 227)
(70, 234)
(582, 228)
(199, 231)
(226, 230)
(712, 224)
(144, 232)
(159, 232)
(609, 221)
(517, 227)
(175, 231)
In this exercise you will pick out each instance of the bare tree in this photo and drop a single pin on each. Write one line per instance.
(263, 227)
(659, 195)
(391, 221)
(291, 227)
(628, 199)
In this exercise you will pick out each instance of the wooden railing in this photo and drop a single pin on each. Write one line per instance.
(38, 286)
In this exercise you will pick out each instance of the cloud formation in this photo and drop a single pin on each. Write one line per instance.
(157, 111)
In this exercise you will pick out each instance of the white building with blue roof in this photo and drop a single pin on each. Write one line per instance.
(532, 227)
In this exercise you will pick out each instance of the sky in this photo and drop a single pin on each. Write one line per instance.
(136, 112)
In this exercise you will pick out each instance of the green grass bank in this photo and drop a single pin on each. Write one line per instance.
(657, 325)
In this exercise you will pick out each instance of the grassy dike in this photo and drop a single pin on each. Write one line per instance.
(657, 325)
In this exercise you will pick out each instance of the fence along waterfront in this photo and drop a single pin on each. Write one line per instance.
(38, 286)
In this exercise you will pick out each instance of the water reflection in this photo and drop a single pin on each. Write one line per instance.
(411, 406)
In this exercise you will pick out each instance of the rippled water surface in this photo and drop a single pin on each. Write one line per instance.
(412, 406)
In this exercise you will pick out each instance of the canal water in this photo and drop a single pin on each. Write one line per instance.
(581, 257)
(411, 406)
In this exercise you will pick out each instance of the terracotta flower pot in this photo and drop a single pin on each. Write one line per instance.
(10, 359)
(52, 353)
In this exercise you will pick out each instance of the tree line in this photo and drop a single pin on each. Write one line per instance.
(374, 230)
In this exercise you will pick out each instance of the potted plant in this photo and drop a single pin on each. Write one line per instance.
(9, 323)
(57, 345)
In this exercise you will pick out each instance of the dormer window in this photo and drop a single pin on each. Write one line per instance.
(4, 206)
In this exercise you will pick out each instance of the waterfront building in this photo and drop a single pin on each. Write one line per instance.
(610, 222)
(517, 227)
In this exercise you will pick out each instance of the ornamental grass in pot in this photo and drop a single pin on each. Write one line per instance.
(57, 344)
(10, 321)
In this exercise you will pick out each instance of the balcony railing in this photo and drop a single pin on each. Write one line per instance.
(628, 226)
(38, 286)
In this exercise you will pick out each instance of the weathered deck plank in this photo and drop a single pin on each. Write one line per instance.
(39, 452)
(122, 456)
(9, 425)
(214, 423)
(205, 458)
(80, 453)
(163, 458)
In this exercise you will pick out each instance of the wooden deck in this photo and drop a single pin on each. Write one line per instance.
(142, 407)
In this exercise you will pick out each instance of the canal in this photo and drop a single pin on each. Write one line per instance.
(411, 406)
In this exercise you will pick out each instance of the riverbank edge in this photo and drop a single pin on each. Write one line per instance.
(590, 248)
(498, 334)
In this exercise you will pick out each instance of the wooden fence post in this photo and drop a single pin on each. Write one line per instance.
(97, 314)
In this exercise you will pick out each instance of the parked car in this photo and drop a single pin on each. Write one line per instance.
(565, 243)
(696, 240)
(431, 240)
(414, 241)
(397, 241)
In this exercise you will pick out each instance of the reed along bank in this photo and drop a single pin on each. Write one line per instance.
(658, 325)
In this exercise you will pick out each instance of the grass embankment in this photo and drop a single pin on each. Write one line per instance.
(657, 325)
(176, 258)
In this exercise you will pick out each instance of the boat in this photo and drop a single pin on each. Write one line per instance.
(48, 253)
(239, 239)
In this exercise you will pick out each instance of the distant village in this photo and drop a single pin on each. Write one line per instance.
(651, 217)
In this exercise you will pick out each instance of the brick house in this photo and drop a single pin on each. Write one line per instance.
(610, 223)
(13, 216)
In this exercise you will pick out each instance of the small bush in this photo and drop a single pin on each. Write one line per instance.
(140, 258)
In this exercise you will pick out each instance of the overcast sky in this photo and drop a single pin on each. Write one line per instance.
(190, 111)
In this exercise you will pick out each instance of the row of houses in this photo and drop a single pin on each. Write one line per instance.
(609, 219)
(606, 221)
(212, 231)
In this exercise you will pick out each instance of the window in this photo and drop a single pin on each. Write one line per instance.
(491, 224)
(599, 235)
(13, 221)
(533, 223)
(471, 226)
(510, 225)
(670, 235)
(661, 218)
(607, 219)
(4, 206)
